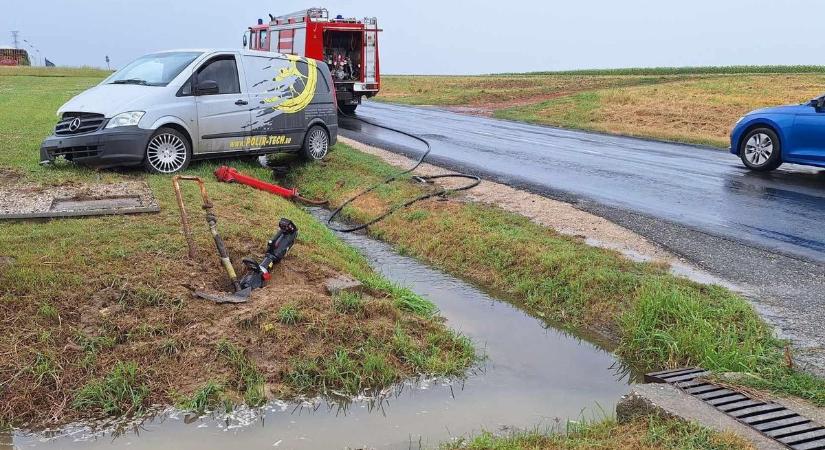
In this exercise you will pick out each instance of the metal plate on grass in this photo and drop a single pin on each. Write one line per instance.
(31, 200)
(95, 204)
(771, 419)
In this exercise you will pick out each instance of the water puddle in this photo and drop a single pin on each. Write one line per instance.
(534, 376)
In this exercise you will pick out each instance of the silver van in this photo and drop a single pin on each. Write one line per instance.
(165, 109)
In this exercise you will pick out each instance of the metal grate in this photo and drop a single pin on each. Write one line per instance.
(82, 151)
(771, 419)
(78, 123)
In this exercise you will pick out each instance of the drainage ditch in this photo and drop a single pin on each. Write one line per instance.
(533, 376)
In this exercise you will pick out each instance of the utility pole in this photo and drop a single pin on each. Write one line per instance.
(14, 38)
(34, 49)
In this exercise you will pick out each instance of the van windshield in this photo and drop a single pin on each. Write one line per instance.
(158, 69)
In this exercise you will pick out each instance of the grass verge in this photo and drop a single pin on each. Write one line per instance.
(641, 434)
(695, 105)
(208, 397)
(98, 315)
(695, 70)
(654, 319)
(121, 391)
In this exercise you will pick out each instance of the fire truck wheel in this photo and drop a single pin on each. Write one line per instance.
(316, 143)
(348, 109)
(168, 151)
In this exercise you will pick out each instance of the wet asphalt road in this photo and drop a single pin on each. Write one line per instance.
(765, 232)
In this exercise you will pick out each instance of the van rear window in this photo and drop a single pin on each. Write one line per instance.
(274, 75)
(324, 87)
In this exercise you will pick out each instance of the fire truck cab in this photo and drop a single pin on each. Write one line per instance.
(348, 46)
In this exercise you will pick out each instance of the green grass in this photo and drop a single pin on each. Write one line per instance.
(208, 397)
(696, 105)
(92, 346)
(121, 392)
(48, 312)
(45, 369)
(248, 379)
(650, 433)
(654, 319)
(370, 366)
(348, 303)
(58, 72)
(427, 357)
(577, 110)
(695, 70)
(136, 267)
(492, 89)
(289, 315)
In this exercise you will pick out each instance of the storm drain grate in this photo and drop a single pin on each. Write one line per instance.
(771, 419)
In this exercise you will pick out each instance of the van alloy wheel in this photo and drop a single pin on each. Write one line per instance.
(318, 143)
(166, 153)
(758, 149)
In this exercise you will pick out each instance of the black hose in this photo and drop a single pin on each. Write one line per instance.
(425, 179)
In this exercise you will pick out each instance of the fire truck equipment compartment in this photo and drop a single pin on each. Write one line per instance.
(348, 45)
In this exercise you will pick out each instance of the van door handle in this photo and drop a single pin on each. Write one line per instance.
(241, 102)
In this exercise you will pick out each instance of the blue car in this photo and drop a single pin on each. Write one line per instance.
(766, 138)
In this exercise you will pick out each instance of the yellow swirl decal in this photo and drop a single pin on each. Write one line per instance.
(302, 99)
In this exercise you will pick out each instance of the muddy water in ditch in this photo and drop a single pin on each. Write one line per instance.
(533, 376)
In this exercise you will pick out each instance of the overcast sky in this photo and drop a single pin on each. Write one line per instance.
(448, 36)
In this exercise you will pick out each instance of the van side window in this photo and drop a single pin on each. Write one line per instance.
(224, 71)
(186, 89)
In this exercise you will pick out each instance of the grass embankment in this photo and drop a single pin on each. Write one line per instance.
(653, 318)
(693, 105)
(642, 434)
(98, 318)
(60, 72)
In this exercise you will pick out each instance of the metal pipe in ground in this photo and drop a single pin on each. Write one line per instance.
(184, 218)
(211, 221)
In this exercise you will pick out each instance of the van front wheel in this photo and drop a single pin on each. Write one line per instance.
(316, 144)
(168, 151)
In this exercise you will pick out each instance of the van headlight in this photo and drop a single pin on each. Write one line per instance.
(126, 119)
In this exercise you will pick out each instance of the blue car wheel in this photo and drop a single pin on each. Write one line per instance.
(760, 150)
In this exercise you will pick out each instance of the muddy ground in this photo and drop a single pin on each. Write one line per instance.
(139, 308)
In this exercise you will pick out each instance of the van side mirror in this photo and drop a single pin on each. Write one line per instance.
(207, 87)
(245, 41)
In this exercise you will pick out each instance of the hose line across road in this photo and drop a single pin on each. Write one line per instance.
(765, 232)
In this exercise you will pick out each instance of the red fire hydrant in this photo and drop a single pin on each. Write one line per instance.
(231, 175)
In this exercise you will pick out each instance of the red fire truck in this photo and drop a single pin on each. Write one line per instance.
(348, 46)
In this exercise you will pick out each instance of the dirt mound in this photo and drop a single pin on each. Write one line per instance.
(173, 337)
